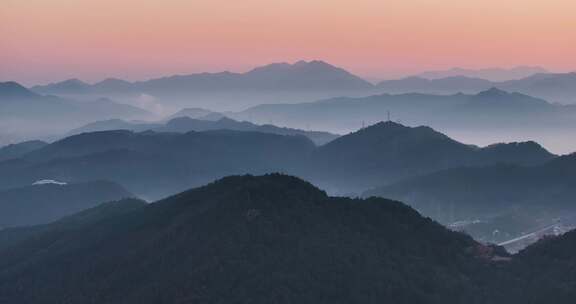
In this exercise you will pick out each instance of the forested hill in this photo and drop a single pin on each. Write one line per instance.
(253, 240)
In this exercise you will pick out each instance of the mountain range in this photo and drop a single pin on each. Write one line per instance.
(302, 75)
(554, 87)
(492, 74)
(183, 124)
(388, 151)
(25, 114)
(152, 164)
(168, 157)
(346, 112)
(489, 116)
(17, 102)
(313, 80)
(303, 80)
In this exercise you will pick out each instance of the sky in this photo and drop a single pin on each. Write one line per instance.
(50, 40)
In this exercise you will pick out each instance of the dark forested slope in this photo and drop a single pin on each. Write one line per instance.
(249, 239)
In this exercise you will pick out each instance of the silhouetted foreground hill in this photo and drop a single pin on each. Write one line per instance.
(251, 240)
(69, 224)
(548, 271)
(271, 238)
(44, 203)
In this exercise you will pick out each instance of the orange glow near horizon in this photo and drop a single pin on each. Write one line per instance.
(49, 40)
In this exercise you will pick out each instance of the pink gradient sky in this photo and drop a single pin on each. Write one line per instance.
(49, 40)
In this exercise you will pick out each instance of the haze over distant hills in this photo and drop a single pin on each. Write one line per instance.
(183, 124)
(554, 87)
(302, 75)
(306, 81)
(28, 115)
(287, 152)
(301, 81)
(492, 74)
(168, 158)
(17, 101)
(486, 117)
(152, 164)
(452, 84)
(309, 80)
(503, 108)
(196, 113)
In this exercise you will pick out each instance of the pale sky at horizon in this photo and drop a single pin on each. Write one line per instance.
(51, 40)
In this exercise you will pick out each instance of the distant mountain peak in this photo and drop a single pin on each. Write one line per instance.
(316, 75)
(387, 124)
(496, 95)
(226, 119)
(521, 149)
(390, 130)
(383, 126)
(112, 82)
(493, 92)
(390, 125)
(312, 63)
(13, 89)
(493, 74)
(73, 81)
(301, 64)
(72, 85)
(264, 183)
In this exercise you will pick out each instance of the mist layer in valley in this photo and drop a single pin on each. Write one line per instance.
(288, 182)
